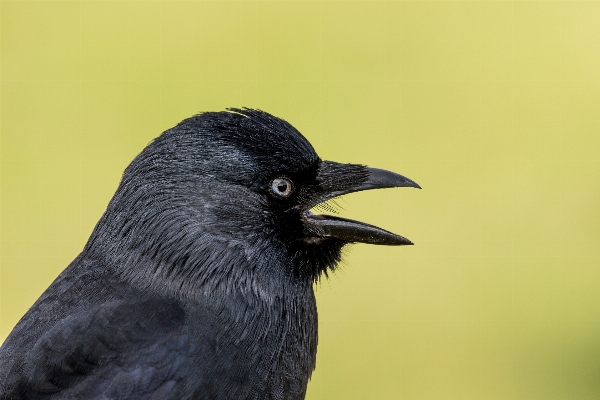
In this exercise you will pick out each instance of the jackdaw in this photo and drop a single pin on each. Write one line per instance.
(197, 282)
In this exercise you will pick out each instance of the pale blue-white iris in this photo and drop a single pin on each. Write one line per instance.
(281, 187)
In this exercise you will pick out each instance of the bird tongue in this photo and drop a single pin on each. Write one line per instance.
(328, 226)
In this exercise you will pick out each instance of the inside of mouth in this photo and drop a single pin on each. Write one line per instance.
(311, 215)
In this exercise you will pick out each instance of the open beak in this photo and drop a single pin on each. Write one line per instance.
(337, 179)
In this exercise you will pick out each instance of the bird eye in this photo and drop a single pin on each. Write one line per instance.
(281, 187)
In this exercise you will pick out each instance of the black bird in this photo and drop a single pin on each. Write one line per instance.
(197, 282)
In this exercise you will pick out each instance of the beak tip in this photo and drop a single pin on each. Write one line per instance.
(412, 183)
(381, 178)
(404, 242)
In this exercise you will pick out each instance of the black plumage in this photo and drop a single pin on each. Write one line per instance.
(197, 282)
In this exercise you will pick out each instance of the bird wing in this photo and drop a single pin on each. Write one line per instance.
(124, 349)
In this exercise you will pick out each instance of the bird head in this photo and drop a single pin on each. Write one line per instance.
(237, 187)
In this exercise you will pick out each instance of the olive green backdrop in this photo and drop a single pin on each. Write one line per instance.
(493, 107)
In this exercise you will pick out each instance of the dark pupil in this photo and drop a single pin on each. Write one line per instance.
(282, 186)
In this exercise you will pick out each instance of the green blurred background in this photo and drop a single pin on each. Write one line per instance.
(493, 107)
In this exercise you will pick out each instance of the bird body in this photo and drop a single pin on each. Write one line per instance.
(130, 344)
(197, 282)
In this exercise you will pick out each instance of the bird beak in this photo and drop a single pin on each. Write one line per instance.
(337, 179)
